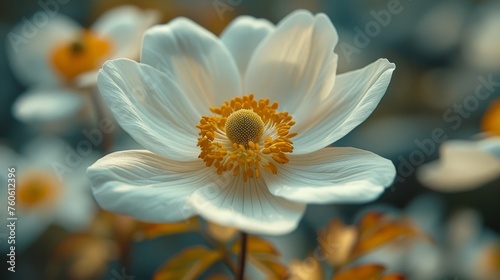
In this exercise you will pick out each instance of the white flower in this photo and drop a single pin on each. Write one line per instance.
(463, 165)
(254, 168)
(480, 40)
(439, 29)
(48, 106)
(48, 191)
(52, 58)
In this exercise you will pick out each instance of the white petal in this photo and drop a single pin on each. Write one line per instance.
(146, 186)
(247, 206)
(463, 165)
(87, 79)
(353, 98)
(46, 105)
(196, 59)
(242, 36)
(332, 175)
(125, 26)
(30, 48)
(295, 63)
(151, 107)
(480, 38)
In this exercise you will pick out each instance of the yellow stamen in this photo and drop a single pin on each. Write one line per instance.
(84, 54)
(37, 188)
(245, 136)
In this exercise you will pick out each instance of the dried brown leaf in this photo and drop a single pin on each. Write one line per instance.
(188, 264)
(362, 272)
(308, 269)
(152, 230)
(394, 277)
(337, 241)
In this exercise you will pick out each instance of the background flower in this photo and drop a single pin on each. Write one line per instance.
(62, 55)
(463, 165)
(48, 190)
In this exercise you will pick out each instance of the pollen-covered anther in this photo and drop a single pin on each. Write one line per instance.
(246, 136)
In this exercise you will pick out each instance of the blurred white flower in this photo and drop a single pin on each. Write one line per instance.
(54, 58)
(62, 52)
(481, 40)
(48, 191)
(439, 30)
(48, 106)
(246, 163)
(463, 165)
(473, 250)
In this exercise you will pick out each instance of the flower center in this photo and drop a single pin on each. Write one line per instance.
(84, 54)
(244, 126)
(245, 136)
(37, 188)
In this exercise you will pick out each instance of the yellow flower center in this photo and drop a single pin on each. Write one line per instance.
(82, 55)
(37, 188)
(245, 136)
(244, 126)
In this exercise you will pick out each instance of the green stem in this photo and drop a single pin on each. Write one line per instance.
(243, 255)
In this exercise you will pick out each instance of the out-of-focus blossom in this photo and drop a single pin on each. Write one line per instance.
(51, 188)
(465, 165)
(472, 251)
(250, 174)
(481, 40)
(62, 52)
(58, 57)
(441, 88)
(48, 106)
(440, 29)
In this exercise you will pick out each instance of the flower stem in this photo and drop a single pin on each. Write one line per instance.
(240, 272)
(226, 258)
